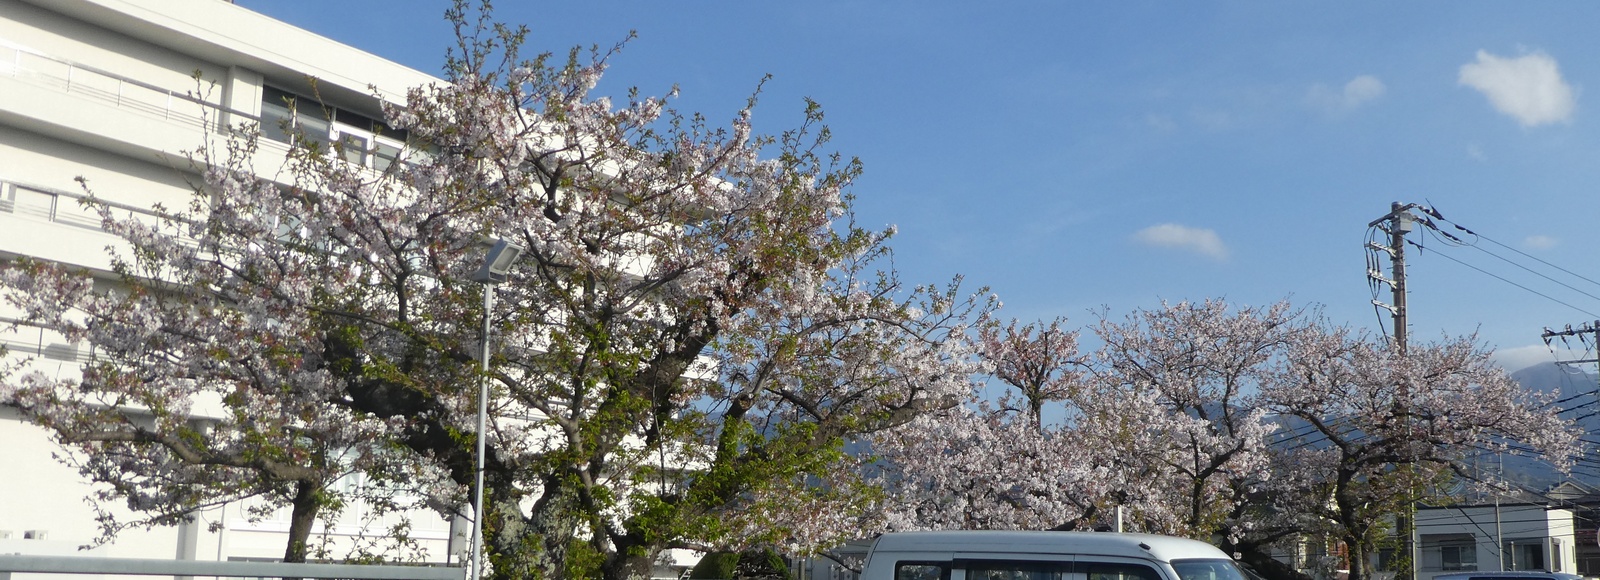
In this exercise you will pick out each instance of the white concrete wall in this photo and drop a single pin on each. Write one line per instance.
(64, 37)
(36, 166)
(39, 493)
(92, 89)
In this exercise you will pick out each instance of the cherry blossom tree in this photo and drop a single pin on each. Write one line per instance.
(1177, 422)
(988, 468)
(1204, 364)
(1040, 361)
(1168, 402)
(190, 403)
(993, 464)
(695, 330)
(999, 464)
(1382, 423)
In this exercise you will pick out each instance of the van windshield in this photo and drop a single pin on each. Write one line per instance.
(1207, 569)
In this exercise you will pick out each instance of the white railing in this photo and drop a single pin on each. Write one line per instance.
(30, 338)
(46, 71)
(66, 207)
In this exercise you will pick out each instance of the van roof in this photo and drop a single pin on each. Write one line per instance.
(1165, 548)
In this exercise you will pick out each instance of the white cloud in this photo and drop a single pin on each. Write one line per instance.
(1529, 88)
(1358, 91)
(1476, 152)
(1362, 89)
(1198, 240)
(1539, 242)
(1518, 358)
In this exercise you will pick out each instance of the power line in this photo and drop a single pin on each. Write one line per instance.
(1503, 279)
(1532, 271)
(1435, 214)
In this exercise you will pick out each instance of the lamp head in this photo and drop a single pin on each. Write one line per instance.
(498, 262)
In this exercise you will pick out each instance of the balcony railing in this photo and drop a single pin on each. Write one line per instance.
(31, 339)
(63, 207)
(139, 97)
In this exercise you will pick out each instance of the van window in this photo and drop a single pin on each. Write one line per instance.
(1207, 569)
(1108, 571)
(1053, 570)
(922, 571)
(1018, 570)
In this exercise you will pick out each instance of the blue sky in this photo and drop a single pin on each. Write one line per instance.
(1074, 155)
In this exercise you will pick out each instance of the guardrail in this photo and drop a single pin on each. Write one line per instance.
(20, 564)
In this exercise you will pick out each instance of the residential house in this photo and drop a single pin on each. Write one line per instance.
(1508, 536)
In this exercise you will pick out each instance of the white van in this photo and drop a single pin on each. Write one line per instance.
(1000, 555)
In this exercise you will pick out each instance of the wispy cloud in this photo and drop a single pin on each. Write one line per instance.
(1529, 88)
(1539, 242)
(1198, 240)
(1521, 357)
(1358, 91)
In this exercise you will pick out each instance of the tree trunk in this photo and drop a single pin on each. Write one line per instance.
(306, 505)
(622, 566)
(1360, 558)
(1197, 492)
(538, 546)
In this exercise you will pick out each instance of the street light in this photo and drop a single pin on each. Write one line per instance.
(498, 262)
(495, 267)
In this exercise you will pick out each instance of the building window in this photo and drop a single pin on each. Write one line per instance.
(356, 138)
(1447, 552)
(1458, 557)
(1524, 554)
(277, 114)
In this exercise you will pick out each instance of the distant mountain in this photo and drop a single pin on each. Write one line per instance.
(1566, 380)
(1575, 393)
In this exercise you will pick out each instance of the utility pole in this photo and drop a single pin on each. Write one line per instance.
(1397, 223)
(1589, 328)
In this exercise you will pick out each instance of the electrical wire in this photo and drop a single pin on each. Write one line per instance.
(1458, 243)
(1508, 281)
(1372, 280)
(1436, 215)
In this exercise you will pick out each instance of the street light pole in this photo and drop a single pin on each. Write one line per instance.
(495, 267)
(483, 424)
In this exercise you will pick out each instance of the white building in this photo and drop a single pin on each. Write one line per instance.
(114, 91)
(1488, 537)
